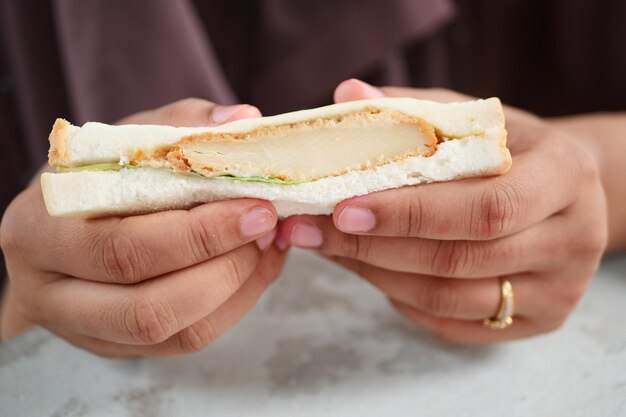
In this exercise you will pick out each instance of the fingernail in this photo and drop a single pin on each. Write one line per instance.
(257, 221)
(370, 90)
(265, 241)
(306, 235)
(356, 219)
(281, 243)
(220, 114)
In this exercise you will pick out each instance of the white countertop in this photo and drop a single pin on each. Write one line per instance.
(323, 342)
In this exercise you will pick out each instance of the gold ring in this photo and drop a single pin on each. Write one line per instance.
(504, 317)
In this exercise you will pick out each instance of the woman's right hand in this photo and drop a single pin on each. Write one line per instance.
(157, 284)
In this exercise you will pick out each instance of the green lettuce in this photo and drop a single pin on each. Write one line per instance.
(269, 180)
(113, 166)
(105, 166)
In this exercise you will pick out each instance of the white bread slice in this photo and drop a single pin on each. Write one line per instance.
(473, 144)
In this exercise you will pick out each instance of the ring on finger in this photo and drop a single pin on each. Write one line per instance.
(504, 317)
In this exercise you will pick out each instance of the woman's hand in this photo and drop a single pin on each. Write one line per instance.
(439, 250)
(158, 284)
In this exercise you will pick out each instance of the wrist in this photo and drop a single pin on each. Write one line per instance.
(583, 130)
(603, 135)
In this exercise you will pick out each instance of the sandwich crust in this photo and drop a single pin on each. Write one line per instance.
(58, 155)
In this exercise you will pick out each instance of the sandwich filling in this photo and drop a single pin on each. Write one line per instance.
(292, 153)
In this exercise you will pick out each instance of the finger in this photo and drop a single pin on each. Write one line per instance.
(456, 298)
(354, 89)
(149, 312)
(474, 208)
(543, 247)
(202, 333)
(520, 124)
(192, 112)
(473, 332)
(486, 209)
(517, 120)
(131, 249)
(104, 348)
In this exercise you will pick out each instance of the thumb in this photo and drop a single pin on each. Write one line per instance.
(354, 89)
(192, 112)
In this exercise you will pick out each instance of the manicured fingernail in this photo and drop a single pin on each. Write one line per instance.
(220, 114)
(281, 243)
(306, 235)
(265, 241)
(370, 90)
(257, 221)
(356, 219)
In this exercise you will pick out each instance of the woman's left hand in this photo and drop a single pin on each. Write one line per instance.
(439, 251)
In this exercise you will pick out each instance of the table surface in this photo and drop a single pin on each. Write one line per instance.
(323, 342)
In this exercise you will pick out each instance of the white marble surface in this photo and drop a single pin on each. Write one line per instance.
(322, 342)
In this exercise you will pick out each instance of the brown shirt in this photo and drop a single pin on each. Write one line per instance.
(103, 59)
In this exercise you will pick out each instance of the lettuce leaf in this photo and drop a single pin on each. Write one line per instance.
(269, 180)
(105, 166)
(114, 166)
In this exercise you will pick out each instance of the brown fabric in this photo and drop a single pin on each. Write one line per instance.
(36, 70)
(283, 55)
(122, 56)
(333, 43)
(12, 151)
(552, 57)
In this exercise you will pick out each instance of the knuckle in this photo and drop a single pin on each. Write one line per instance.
(498, 208)
(413, 224)
(206, 242)
(146, 321)
(181, 111)
(582, 163)
(356, 246)
(196, 337)
(452, 259)
(8, 236)
(182, 105)
(28, 309)
(598, 240)
(120, 256)
(593, 242)
(440, 299)
(571, 295)
(588, 166)
(232, 270)
(171, 113)
(190, 101)
(362, 247)
(11, 226)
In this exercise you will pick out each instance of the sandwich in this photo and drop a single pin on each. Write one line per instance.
(304, 162)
